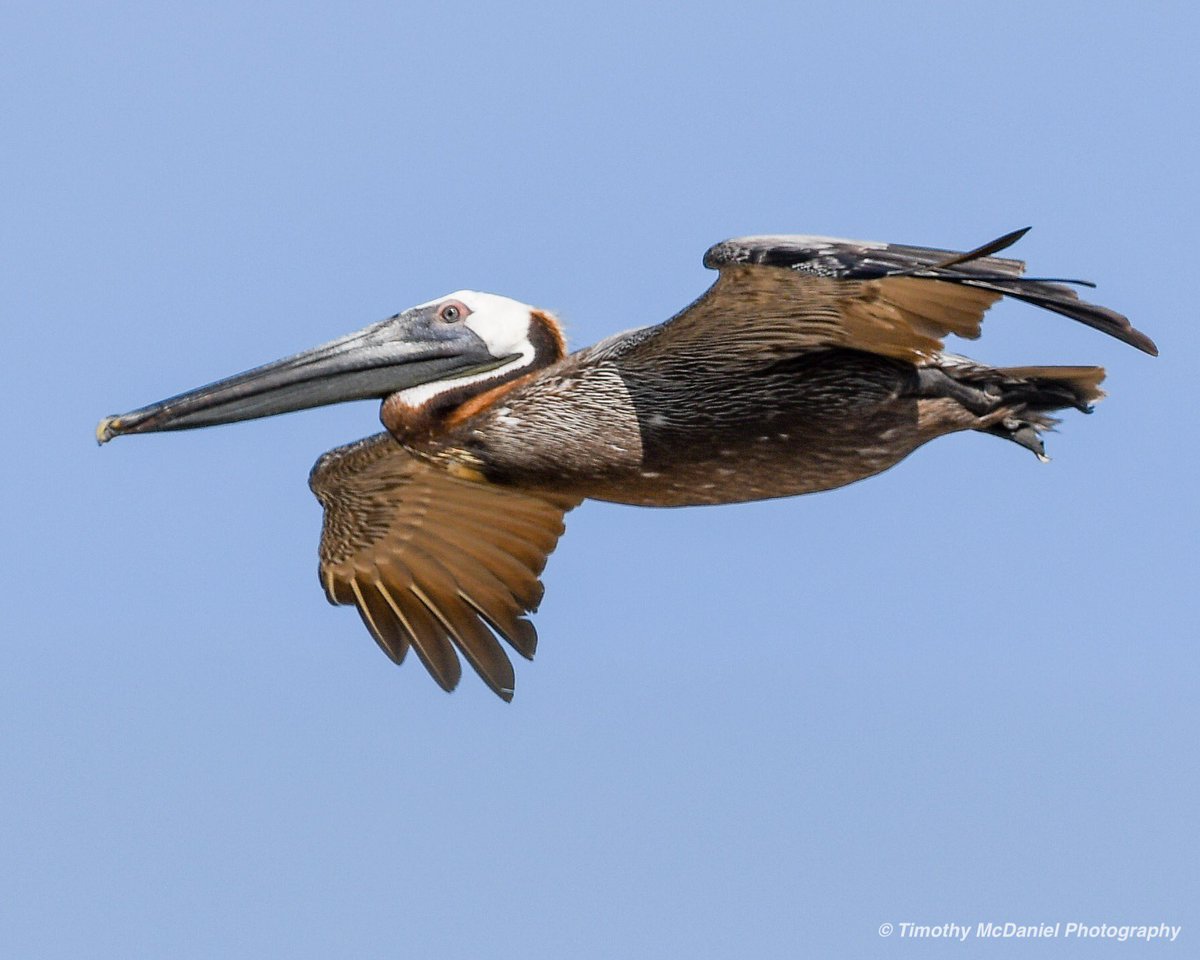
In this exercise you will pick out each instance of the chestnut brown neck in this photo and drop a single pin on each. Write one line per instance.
(457, 403)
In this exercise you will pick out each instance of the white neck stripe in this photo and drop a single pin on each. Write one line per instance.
(424, 393)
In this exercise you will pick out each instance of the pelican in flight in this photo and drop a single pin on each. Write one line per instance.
(810, 363)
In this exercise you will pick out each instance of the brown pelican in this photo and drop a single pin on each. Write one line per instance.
(810, 363)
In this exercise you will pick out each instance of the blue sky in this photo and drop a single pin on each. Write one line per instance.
(965, 690)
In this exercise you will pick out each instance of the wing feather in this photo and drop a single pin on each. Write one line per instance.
(380, 620)
(790, 294)
(519, 580)
(481, 648)
(430, 640)
(433, 562)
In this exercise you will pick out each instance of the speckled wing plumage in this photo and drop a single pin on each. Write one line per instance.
(788, 294)
(432, 561)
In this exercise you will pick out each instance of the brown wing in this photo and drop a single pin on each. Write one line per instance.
(786, 294)
(432, 561)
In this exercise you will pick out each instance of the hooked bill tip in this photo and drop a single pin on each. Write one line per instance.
(107, 428)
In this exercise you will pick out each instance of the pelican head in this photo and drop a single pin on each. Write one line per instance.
(462, 343)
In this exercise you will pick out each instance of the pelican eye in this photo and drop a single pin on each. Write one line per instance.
(452, 312)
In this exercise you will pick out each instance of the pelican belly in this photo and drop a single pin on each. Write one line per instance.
(778, 457)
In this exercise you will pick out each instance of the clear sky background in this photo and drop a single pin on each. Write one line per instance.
(965, 690)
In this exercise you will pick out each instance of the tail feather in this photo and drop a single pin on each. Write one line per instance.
(1015, 403)
(1044, 387)
(1030, 394)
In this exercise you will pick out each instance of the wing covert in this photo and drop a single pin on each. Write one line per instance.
(789, 294)
(434, 562)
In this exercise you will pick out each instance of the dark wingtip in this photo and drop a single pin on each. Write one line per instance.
(989, 248)
(1144, 343)
(1126, 331)
(446, 683)
(1009, 239)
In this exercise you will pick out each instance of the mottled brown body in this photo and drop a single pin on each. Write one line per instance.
(602, 427)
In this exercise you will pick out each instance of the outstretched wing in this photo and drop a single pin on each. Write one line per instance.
(789, 294)
(432, 561)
